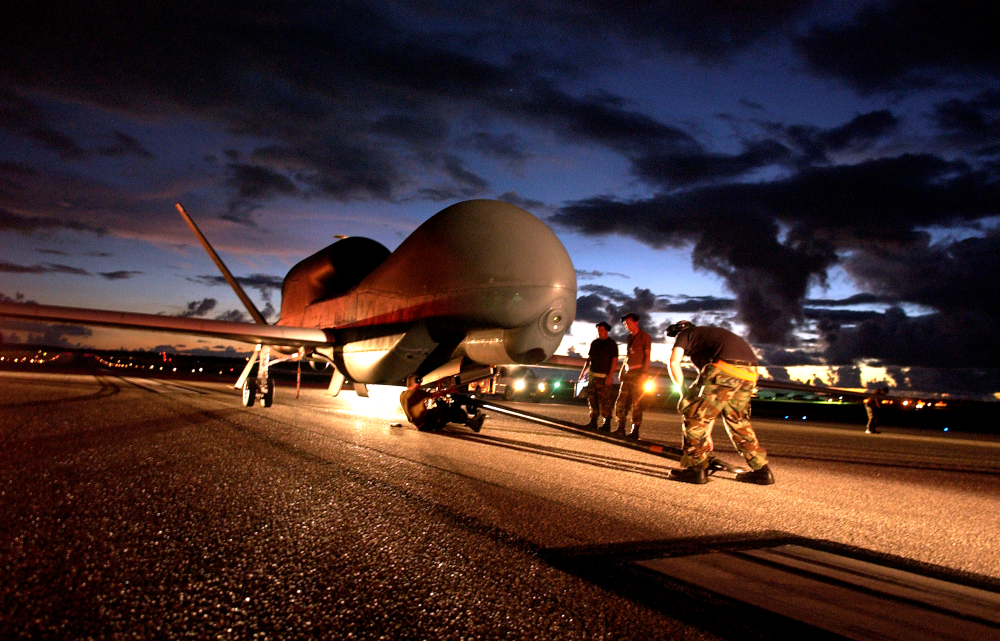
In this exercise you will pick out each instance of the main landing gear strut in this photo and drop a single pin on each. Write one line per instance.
(257, 389)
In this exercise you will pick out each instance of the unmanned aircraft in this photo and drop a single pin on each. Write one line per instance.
(482, 283)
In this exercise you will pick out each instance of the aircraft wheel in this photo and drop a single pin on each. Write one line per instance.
(508, 394)
(267, 398)
(249, 392)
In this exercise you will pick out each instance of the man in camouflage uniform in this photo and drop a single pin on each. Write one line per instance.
(631, 390)
(601, 361)
(728, 375)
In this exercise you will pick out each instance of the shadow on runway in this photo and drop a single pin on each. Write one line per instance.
(598, 460)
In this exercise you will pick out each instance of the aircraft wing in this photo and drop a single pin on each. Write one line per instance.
(243, 332)
(768, 383)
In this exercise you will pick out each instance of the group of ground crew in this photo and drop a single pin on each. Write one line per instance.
(727, 376)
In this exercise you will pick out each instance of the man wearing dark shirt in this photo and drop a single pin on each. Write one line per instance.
(601, 360)
(632, 381)
(727, 376)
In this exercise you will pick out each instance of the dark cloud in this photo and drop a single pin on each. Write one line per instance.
(936, 340)
(839, 316)
(358, 103)
(471, 184)
(955, 277)
(776, 356)
(708, 31)
(18, 298)
(526, 204)
(687, 168)
(770, 241)
(971, 124)
(199, 307)
(126, 145)
(602, 303)
(865, 298)
(604, 119)
(800, 146)
(47, 334)
(53, 252)
(46, 268)
(119, 275)
(698, 304)
(609, 305)
(315, 79)
(591, 309)
(508, 146)
(263, 283)
(593, 273)
(24, 118)
(29, 225)
(906, 44)
(254, 183)
(233, 316)
(860, 134)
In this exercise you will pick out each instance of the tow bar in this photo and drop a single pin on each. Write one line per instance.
(665, 451)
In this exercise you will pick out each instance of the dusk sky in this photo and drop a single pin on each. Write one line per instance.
(821, 177)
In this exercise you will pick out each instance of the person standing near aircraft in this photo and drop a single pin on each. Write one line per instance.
(632, 381)
(871, 408)
(601, 360)
(728, 375)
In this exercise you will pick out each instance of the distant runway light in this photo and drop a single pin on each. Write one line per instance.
(786, 418)
(946, 429)
(803, 418)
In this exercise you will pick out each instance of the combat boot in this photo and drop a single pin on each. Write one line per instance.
(634, 434)
(606, 427)
(762, 476)
(592, 425)
(694, 474)
(619, 429)
(476, 422)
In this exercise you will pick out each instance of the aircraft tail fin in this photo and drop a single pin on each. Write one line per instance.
(254, 312)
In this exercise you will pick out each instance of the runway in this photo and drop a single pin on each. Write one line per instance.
(147, 507)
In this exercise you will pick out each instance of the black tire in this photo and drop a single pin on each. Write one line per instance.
(267, 398)
(249, 392)
(508, 394)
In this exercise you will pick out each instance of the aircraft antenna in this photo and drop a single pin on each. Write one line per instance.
(254, 312)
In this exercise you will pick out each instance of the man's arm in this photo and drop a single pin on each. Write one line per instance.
(676, 373)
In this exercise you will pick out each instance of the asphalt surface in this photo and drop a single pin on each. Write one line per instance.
(149, 508)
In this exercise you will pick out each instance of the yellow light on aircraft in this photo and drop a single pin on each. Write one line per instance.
(649, 385)
(541, 387)
(519, 384)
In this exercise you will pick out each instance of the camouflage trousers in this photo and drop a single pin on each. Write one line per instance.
(599, 397)
(630, 397)
(713, 394)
